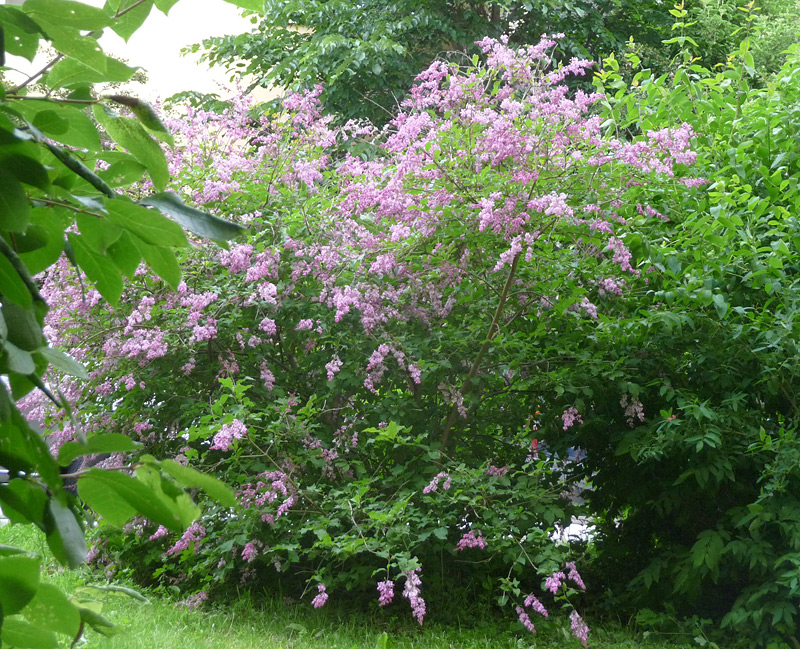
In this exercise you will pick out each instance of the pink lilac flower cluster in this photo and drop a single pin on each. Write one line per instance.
(159, 533)
(496, 472)
(472, 539)
(321, 598)
(267, 489)
(570, 417)
(249, 552)
(633, 409)
(194, 534)
(532, 602)
(411, 591)
(553, 582)
(579, 628)
(386, 590)
(433, 485)
(194, 601)
(574, 575)
(525, 619)
(223, 440)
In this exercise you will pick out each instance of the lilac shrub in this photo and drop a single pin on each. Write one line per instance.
(374, 367)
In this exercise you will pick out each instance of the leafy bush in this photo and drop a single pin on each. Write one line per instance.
(372, 370)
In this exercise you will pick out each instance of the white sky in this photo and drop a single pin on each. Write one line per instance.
(156, 47)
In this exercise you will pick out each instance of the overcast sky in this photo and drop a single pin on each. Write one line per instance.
(156, 47)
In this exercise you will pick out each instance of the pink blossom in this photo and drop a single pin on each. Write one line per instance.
(411, 591)
(553, 583)
(194, 534)
(532, 602)
(386, 590)
(434, 484)
(472, 540)
(574, 576)
(579, 628)
(526, 621)
(570, 417)
(321, 598)
(333, 367)
(160, 532)
(223, 440)
(249, 553)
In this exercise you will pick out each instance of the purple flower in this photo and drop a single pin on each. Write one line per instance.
(321, 598)
(224, 438)
(553, 583)
(472, 540)
(574, 576)
(249, 553)
(536, 605)
(570, 416)
(434, 484)
(579, 628)
(386, 590)
(523, 617)
(411, 592)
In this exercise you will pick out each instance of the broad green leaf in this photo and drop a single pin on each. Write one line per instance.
(22, 328)
(98, 623)
(125, 255)
(98, 268)
(51, 224)
(188, 477)
(20, 634)
(151, 226)
(14, 205)
(68, 13)
(252, 5)
(18, 360)
(99, 233)
(11, 285)
(23, 501)
(64, 535)
(114, 510)
(123, 172)
(19, 580)
(102, 443)
(63, 362)
(113, 588)
(80, 133)
(132, 493)
(162, 261)
(78, 47)
(26, 170)
(51, 610)
(127, 24)
(146, 115)
(176, 499)
(50, 122)
(22, 34)
(69, 72)
(200, 223)
(165, 5)
(130, 135)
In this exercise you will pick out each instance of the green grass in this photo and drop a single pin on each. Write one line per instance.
(244, 624)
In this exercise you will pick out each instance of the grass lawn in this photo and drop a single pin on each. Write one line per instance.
(243, 624)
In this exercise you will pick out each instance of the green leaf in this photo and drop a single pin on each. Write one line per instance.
(20, 634)
(69, 72)
(146, 115)
(720, 305)
(162, 261)
(189, 477)
(123, 172)
(63, 362)
(200, 223)
(127, 24)
(22, 327)
(99, 233)
(133, 493)
(80, 133)
(165, 5)
(18, 360)
(50, 225)
(98, 623)
(64, 535)
(102, 443)
(11, 285)
(26, 170)
(98, 268)
(14, 205)
(51, 610)
(125, 255)
(70, 42)
(151, 226)
(19, 581)
(67, 12)
(22, 34)
(252, 5)
(130, 135)
(105, 501)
